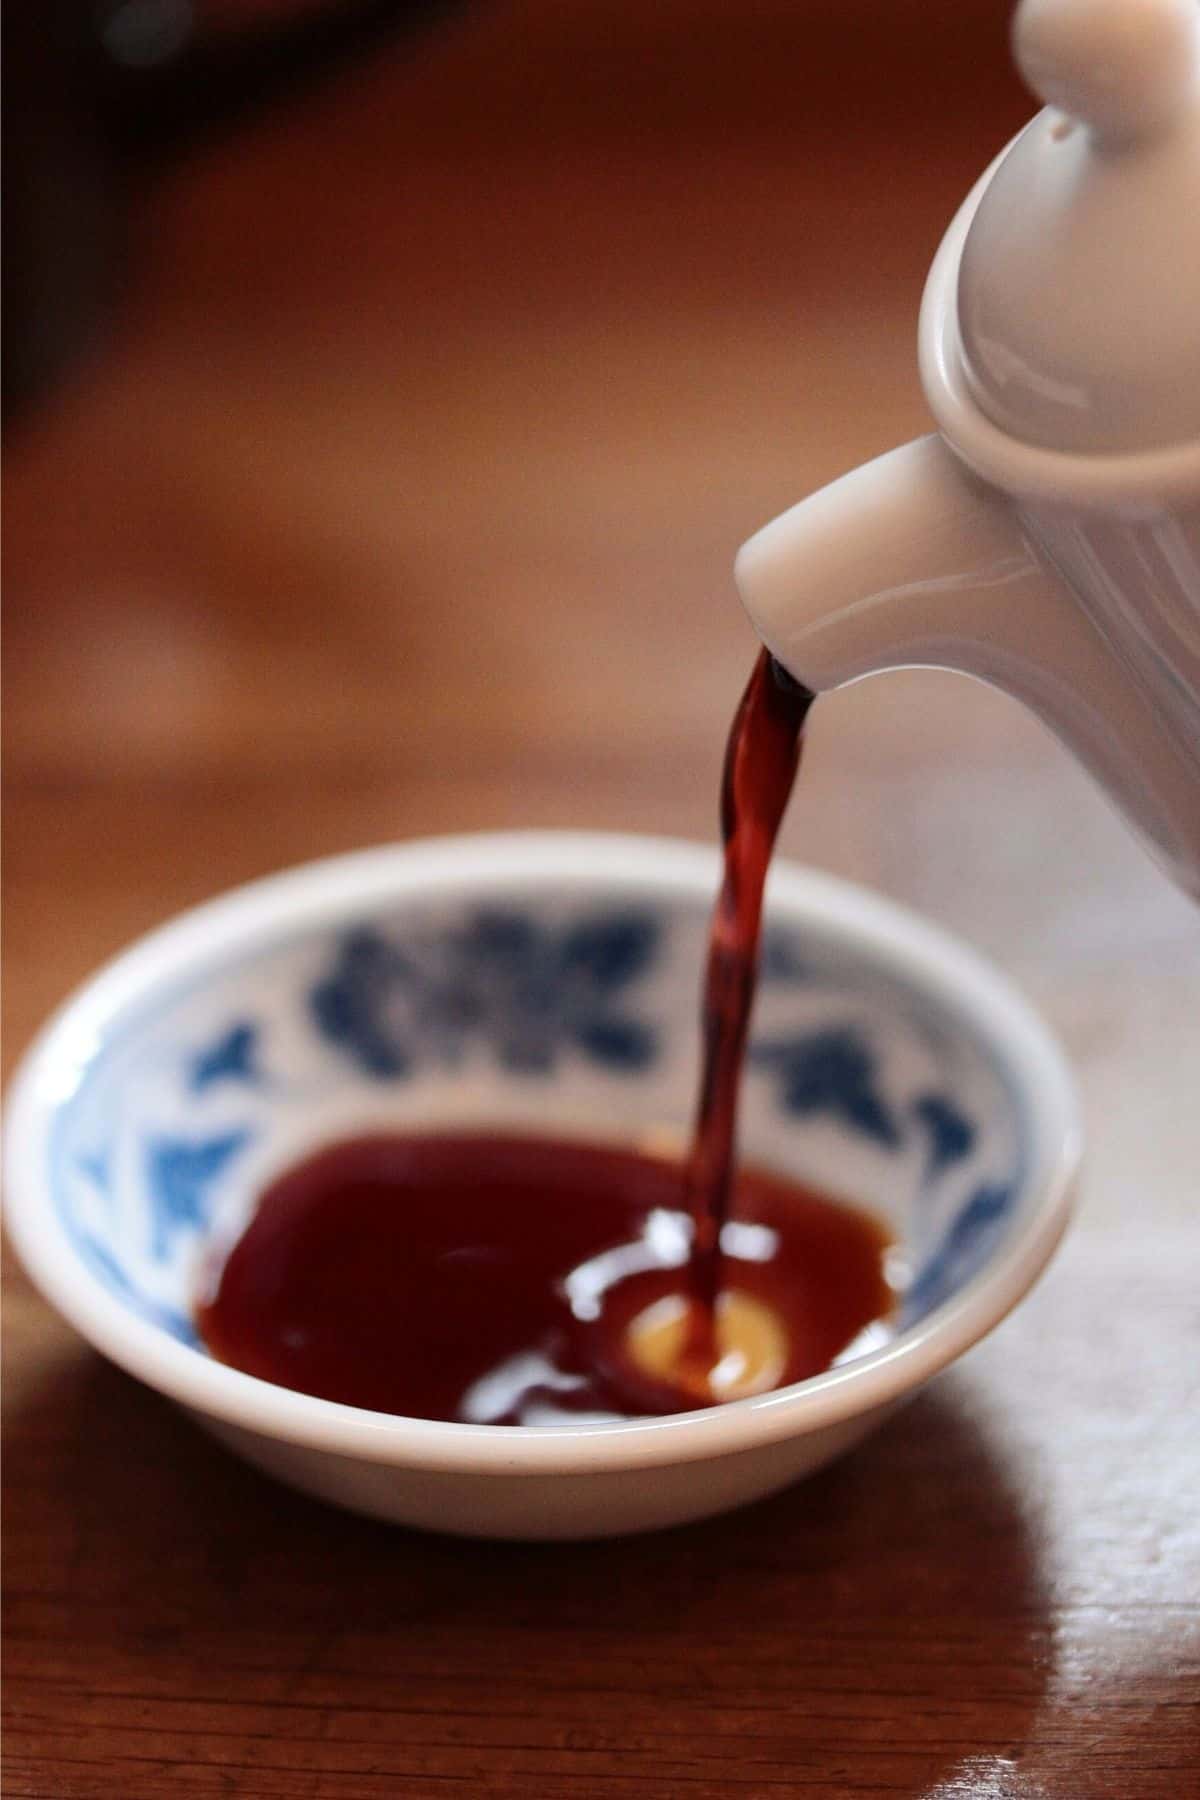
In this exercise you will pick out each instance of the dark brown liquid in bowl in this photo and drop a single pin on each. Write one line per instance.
(492, 1278)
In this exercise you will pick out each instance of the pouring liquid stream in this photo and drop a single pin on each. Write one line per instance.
(762, 756)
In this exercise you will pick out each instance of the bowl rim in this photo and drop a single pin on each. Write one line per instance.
(319, 893)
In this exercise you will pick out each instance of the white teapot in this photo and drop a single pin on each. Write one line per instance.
(1047, 538)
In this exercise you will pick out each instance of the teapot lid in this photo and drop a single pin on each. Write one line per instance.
(1078, 282)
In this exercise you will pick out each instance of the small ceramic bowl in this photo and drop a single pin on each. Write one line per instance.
(547, 983)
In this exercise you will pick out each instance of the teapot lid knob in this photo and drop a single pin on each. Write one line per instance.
(1126, 68)
(1077, 292)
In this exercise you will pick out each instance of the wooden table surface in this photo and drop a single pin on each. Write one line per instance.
(405, 502)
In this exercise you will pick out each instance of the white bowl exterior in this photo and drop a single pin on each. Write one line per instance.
(589, 1504)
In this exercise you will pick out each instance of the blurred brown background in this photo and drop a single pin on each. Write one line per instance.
(404, 500)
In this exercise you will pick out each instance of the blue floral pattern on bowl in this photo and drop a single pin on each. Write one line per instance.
(527, 989)
(551, 1013)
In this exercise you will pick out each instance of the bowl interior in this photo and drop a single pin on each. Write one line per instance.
(537, 1006)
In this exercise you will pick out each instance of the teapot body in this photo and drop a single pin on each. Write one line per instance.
(1138, 581)
(1132, 712)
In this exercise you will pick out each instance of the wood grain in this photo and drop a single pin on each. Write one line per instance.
(405, 501)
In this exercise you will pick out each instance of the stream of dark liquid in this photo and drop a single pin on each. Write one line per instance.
(761, 759)
(501, 1280)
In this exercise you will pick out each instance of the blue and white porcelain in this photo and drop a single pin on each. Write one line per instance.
(546, 982)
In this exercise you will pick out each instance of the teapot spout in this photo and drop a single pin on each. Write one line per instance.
(909, 561)
(912, 562)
